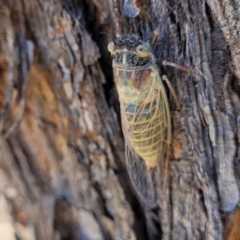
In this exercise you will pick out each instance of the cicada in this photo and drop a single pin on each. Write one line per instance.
(145, 113)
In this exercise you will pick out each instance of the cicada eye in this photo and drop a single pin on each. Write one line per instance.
(143, 50)
(111, 46)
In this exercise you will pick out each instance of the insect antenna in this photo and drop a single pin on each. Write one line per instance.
(157, 30)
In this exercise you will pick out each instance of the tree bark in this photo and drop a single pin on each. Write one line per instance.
(62, 152)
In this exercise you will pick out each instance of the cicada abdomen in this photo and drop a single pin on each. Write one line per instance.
(144, 113)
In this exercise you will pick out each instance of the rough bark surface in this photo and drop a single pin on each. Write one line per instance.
(62, 173)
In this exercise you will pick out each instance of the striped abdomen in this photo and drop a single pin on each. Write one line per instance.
(147, 129)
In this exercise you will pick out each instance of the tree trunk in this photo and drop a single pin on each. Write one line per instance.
(62, 153)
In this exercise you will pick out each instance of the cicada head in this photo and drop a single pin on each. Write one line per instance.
(132, 64)
(130, 51)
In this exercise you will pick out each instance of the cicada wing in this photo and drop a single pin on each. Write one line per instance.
(142, 179)
(146, 180)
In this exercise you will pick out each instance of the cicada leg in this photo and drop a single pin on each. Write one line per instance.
(164, 185)
(165, 100)
(157, 30)
(164, 77)
(183, 68)
(168, 119)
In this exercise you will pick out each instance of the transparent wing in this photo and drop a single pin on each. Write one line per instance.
(149, 125)
(142, 179)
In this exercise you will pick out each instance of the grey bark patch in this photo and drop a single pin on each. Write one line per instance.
(130, 8)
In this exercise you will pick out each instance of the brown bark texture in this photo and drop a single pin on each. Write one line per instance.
(62, 172)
